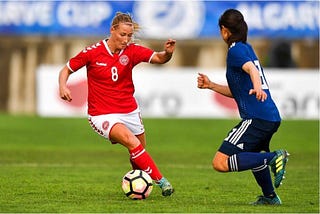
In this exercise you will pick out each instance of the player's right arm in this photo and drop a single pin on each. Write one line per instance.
(257, 90)
(205, 83)
(73, 65)
(64, 91)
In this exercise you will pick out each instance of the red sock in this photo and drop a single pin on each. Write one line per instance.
(134, 166)
(140, 157)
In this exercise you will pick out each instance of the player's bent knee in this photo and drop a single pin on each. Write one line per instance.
(220, 162)
(217, 167)
(220, 165)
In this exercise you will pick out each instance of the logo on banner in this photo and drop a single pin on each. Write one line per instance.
(79, 94)
(226, 102)
(163, 19)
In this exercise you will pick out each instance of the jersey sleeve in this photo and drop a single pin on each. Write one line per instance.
(238, 55)
(78, 61)
(142, 54)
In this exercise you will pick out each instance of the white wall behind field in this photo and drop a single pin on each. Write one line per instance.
(173, 92)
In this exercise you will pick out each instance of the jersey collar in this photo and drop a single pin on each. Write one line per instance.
(108, 49)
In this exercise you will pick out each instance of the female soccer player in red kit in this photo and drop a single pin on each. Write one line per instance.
(113, 112)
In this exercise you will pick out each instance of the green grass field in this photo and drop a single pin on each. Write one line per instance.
(60, 165)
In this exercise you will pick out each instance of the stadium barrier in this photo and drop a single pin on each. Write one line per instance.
(173, 92)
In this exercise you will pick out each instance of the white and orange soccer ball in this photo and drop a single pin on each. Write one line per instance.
(137, 184)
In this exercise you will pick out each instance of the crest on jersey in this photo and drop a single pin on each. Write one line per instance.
(124, 60)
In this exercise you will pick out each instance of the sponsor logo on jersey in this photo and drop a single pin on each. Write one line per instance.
(124, 60)
(101, 64)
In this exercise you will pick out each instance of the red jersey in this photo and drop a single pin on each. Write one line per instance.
(110, 85)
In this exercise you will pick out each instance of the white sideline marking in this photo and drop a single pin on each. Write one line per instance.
(66, 165)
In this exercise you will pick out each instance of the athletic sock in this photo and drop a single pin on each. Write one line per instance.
(134, 166)
(263, 178)
(140, 157)
(248, 160)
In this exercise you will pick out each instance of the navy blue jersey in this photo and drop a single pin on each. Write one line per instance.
(240, 83)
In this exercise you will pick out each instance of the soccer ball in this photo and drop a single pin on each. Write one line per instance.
(137, 184)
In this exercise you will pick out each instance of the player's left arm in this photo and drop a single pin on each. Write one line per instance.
(165, 55)
(257, 90)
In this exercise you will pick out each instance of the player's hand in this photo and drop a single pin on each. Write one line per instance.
(169, 46)
(203, 81)
(65, 94)
(261, 95)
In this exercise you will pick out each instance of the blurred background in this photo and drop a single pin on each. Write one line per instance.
(38, 37)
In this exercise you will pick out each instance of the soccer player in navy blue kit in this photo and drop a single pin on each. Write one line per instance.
(246, 146)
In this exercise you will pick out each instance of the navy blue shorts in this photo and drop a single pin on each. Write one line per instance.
(251, 135)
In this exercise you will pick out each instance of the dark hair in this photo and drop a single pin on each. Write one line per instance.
(234, 21)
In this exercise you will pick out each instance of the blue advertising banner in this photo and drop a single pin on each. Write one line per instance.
(159, 19)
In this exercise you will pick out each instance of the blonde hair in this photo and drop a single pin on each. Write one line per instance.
(125, 18)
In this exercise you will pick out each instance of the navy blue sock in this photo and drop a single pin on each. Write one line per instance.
(248, 160)
(263, 178)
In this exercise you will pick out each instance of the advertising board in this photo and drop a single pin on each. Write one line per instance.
(173, 92)
(158, 19)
